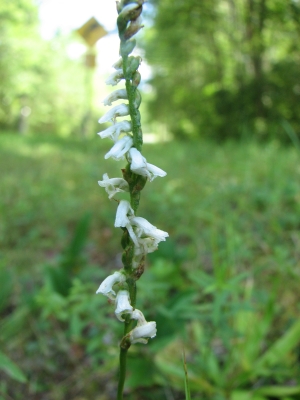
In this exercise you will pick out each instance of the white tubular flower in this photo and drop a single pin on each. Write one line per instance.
(115, 77)
(122, 220)
(123, 305)
(116, 95)
(113, 185)
(117, 111)
(120, 148)
(141, 334)
(139, 165)
(106, 287)
(144, 228)
(114, 131)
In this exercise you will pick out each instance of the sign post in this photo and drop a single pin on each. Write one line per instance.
(91, 32)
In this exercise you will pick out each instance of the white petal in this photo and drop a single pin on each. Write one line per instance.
(115, 77)
(114, 131)
(123, 305)
(139, 316)
(146, 245)
(120, 148)
(106, 286)
(148, 229)
(116, 95)
(155, 171)
(117, 111)
(137, 162)
(122, 220)
(123, 210)
(139, 165)
(140, 334)
(113, 185)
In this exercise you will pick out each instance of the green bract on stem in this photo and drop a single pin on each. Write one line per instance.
(139, 237)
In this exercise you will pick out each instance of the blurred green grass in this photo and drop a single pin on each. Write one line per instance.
(229, 209)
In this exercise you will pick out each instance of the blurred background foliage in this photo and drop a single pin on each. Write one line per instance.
(38, 80)
(227, 68)
(225, 286)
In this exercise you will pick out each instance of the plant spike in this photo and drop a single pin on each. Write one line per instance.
(139, 236)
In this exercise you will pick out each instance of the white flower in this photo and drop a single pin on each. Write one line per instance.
(114, 131)
(142, 333)
(120, 148)
(123, 305)
(115, 77)
(143, 330)
(116, 95)
(117, 111)
(144, 228)
(113, 185)
(122, 220)
(139, 165)
(106, 286)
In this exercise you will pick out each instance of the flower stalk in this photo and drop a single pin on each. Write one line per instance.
(139, 236)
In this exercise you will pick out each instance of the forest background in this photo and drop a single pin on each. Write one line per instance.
(221, 107)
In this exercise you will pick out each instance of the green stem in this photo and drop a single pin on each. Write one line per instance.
(122, 374)
(134, 199)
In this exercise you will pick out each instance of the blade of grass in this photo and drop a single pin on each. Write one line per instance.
(186, 380)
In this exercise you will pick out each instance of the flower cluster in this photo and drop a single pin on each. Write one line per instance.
(139, 236)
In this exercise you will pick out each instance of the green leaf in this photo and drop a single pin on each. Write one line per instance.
(278, 391)
(279, 350)
(11, 369)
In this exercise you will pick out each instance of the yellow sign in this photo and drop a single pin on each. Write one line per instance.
(92, 31)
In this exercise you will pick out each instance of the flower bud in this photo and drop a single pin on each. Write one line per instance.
(133, 28)
(132, 66)
(136, 79)
(127, 47)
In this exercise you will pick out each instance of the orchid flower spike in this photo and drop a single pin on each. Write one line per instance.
(114, 131)
(123, 305)
(120, 148)
(117, 111)
(106, 287)
(116, 95)
(113, 185)
(139, 165)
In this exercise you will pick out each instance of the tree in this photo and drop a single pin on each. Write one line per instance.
(225, 68)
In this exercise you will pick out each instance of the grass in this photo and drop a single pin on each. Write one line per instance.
(229, 209)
